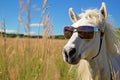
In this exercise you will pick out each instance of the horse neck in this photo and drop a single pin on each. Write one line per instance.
(100, 65)
(96, 69)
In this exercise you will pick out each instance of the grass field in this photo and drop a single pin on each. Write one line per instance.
(32, 59)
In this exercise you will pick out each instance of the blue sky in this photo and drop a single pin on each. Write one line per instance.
(10, 9)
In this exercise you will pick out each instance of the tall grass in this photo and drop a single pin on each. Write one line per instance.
(43, 62)
(33, 59)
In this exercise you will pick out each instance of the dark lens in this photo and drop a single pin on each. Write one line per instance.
(69, 28)
(67, 34)
(86, 32)
(68, 31)
(86, 35)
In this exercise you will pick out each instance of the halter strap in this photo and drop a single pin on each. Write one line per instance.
(101, 38)
(110, 64)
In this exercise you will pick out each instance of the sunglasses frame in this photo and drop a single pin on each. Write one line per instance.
(84, 33)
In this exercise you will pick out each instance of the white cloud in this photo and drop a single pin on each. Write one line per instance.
(9, 31)
(1, 30)
(31, 33)
(36, 25)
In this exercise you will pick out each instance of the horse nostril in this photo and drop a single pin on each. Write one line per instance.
(65, 52)
(72, 52)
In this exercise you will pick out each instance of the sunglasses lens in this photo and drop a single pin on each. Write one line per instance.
(68, 31)
(86, 32)
(86, 35)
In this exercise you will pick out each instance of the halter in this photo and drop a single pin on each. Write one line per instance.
(109, 61)
(101, 38)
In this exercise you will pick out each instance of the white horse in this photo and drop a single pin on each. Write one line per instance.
(93, 45)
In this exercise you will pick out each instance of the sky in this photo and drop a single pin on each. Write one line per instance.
(58, 11)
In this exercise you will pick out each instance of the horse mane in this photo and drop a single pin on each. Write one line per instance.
(112, 41)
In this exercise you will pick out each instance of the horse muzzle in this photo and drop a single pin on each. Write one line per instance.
(70, 56)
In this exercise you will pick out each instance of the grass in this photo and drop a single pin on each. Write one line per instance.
(42, 60)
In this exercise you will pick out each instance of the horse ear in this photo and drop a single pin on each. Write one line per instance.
(74, 17)
(103, 10)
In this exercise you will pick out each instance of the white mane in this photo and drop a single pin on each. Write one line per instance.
(112, 41)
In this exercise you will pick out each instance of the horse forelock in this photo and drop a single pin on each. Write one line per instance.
(93, 15)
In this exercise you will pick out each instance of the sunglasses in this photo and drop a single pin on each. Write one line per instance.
(84, 32)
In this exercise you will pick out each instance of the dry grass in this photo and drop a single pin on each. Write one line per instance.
(42, 60)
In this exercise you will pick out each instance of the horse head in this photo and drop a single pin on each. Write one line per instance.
(84, 34)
